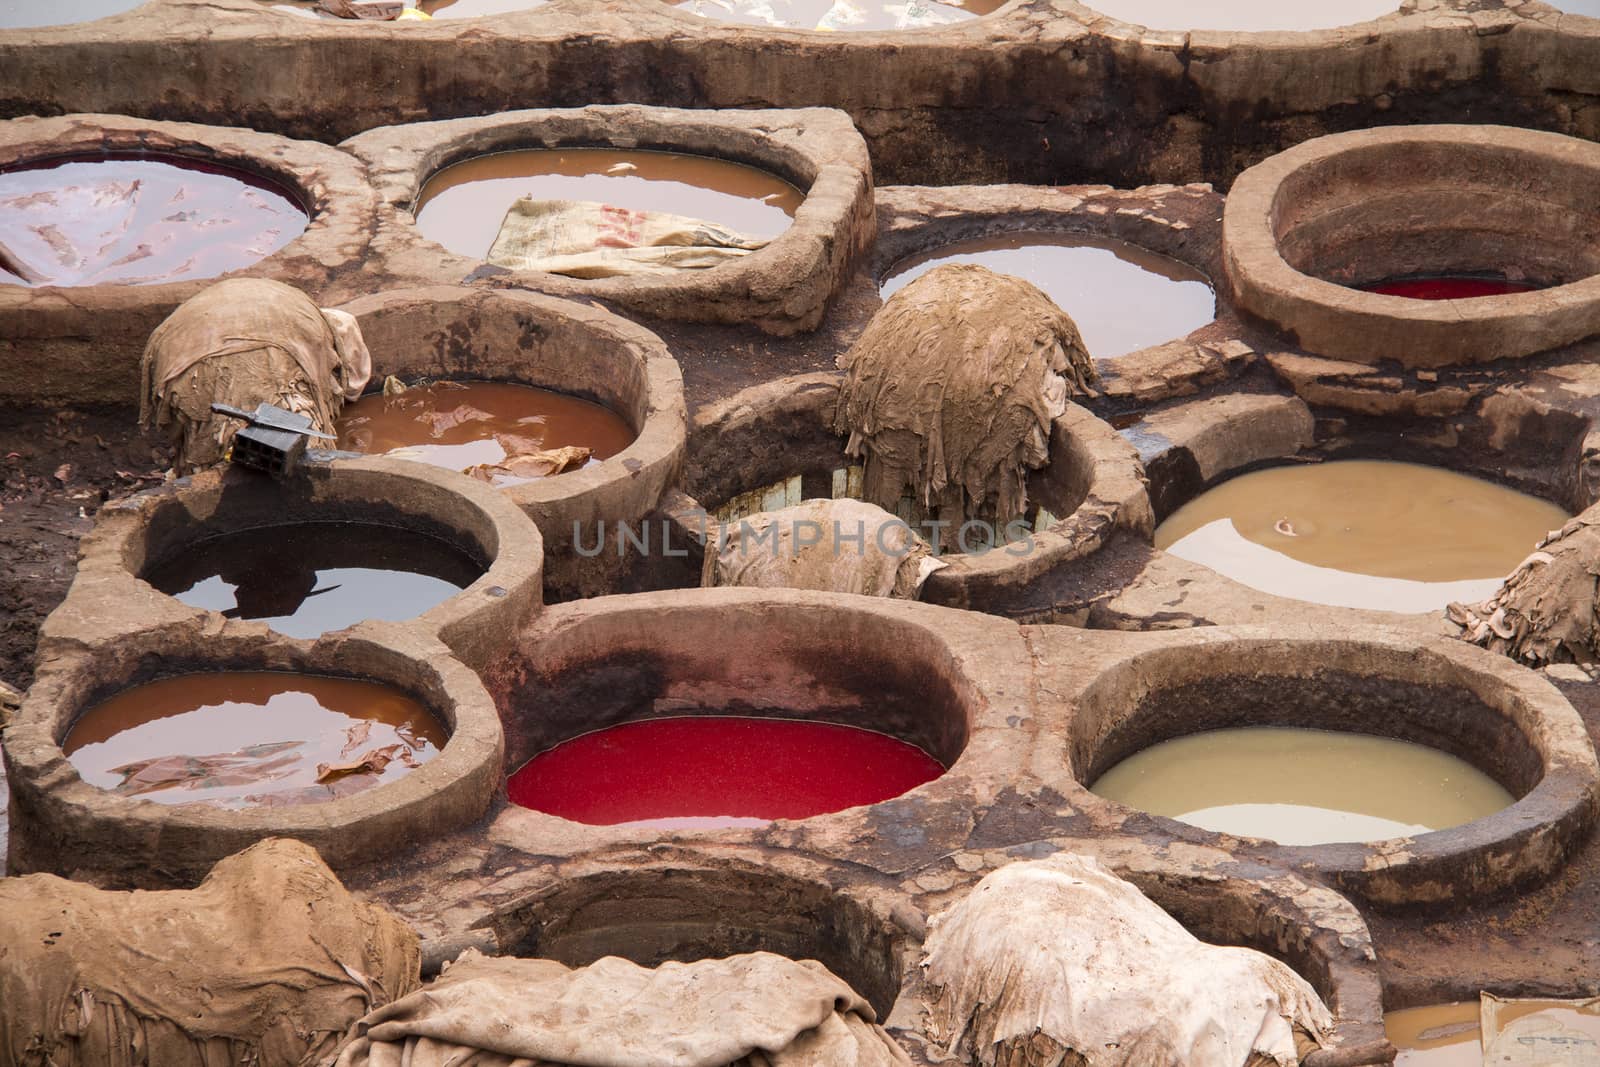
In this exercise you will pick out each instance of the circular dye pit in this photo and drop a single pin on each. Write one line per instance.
(311, 578)
(1303, 787)
(1362, 533)
(1243, 15)
(1448, 287)
(21, 14)
(711, 771)
(842, 15)
(251, 738)
(1122, 297)
(494, 431)
(462, 206)
(137, 221)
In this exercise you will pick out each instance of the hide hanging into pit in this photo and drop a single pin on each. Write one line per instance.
(840, 546)
(1544, 612)
(950, 392)
(244, 342)
(1059, 963)
(268, 962)
(755, 1010)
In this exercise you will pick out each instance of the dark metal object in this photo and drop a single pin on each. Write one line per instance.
(273, 440)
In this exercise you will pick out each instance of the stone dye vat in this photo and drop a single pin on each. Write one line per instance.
(841, 16)
(716, 770)
(1303, 787)
(135, 220)
(792, 269)
(1368, 534)
(463, 205)
(526, 345)
(119, 220)
(1121, 297)
(238, 739)
(151, 755)
(773, 445)
(308, 578)
(1505, 722)
(1242, 15)
(1307, 229)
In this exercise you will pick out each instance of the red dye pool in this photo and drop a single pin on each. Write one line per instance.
(1445, 288)
(713, 771)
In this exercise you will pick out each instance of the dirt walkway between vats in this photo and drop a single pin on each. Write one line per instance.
(1545, 942)
(56, 469)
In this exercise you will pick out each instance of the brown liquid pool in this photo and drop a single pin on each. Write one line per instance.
(1247, 15)
(1449, 1035)
(1122, 297)
(311, 578)
(17, 14)
(1303, 787)
(126, 221)
(242, 738)
(842, 15)
(463, 205)
(1362, 533)
(461, 425)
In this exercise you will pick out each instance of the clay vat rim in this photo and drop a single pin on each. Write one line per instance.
(1345, 323)
(661, 434)
(515, 922)
(189, 838)
(323, 182)
(819, 145)
(1115, 497)
(1508, 847)
(993, 710)
(470, 621)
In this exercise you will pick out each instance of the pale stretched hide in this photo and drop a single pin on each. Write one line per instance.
(950, 392)
(1544, 612)
(757, 1010)
(1058, 963)
(585, 239)
(244, 342)
(841, 546)
(267, 963)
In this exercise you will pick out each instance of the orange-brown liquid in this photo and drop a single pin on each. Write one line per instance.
(462, 206)
(461, 424)
(241, 738)
(123, 221)
(843, 15)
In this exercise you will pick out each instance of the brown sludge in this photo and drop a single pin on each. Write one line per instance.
(240, 738)
(462, 207)
(501, 432)
(268, 963)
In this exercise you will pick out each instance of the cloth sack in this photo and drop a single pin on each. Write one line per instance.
(951, 390)
(267, 963)
(755, 1010)
(842, 546)
(244, 342)
(1059, 963)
